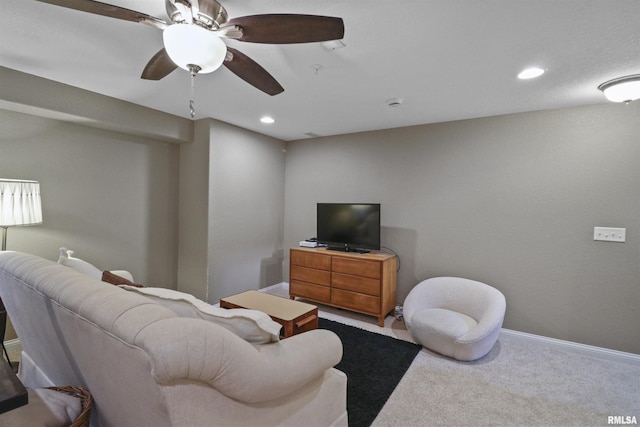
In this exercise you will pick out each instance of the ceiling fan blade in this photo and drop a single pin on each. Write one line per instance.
(159, 66)
(288, 28)
(251, 72)
(105, 9)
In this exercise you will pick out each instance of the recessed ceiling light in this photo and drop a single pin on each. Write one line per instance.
(531, 73)
(267, 120)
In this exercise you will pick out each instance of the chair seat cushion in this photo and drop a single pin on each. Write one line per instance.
(438, 328)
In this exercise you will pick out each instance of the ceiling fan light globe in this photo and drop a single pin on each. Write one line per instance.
(623, 89)
(190, 44)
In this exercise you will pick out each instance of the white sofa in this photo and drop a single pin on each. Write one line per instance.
(146, 366)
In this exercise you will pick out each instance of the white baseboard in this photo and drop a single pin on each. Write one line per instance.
(577, 348)
(14, 348)
(282, 287)
(583, 349)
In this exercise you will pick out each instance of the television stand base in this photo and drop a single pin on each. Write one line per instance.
(348, 249)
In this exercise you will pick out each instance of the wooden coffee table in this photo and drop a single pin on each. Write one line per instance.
(295, 316)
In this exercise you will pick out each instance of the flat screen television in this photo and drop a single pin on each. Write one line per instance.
(350, 227)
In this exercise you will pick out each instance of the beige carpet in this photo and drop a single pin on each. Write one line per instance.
(517, 384)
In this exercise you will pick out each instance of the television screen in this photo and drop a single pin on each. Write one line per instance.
(349, 226)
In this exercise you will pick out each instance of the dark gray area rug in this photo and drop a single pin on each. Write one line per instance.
(374, 365)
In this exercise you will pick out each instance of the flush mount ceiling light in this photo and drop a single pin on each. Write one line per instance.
(622, 89)
(267, 120)
(530, 73)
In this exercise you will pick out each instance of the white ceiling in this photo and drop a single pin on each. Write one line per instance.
(446, 59)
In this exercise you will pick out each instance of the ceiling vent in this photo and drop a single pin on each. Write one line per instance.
(394, 102)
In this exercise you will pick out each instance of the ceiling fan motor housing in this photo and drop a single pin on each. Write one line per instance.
(208, 13)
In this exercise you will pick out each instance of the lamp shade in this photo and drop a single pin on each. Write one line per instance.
(20, 202)
(622, 89)
(191, 44)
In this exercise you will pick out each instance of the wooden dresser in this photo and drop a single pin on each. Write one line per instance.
(365, 283)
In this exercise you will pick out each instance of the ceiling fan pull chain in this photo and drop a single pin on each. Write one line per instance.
(192, 108)
(194, 71)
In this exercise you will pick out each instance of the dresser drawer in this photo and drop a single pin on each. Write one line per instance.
(356, 267)
(359, 284)
(309, 290)
(310, 259)
(355, 301)
(311, 275)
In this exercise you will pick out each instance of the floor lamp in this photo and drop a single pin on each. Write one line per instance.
(20, 204)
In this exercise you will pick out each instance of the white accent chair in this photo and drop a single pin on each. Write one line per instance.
(456, 317)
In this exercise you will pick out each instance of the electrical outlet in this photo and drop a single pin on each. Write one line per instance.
(609, 234)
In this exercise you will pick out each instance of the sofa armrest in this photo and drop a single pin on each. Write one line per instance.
(192, 349)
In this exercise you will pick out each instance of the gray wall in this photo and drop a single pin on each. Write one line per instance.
(246, 210)
(510, 201)
(231, 211)
(129, 187)
(109, 196)
(193, 224)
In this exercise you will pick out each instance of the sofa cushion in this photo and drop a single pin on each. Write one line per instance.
(115, 277)
(253, 326)
(65, 258)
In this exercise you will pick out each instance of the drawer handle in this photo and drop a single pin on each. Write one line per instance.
(303, 322)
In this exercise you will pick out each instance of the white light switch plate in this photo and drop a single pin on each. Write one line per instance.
(609, 234)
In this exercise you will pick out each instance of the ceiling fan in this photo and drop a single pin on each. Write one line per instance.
(193, 38)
